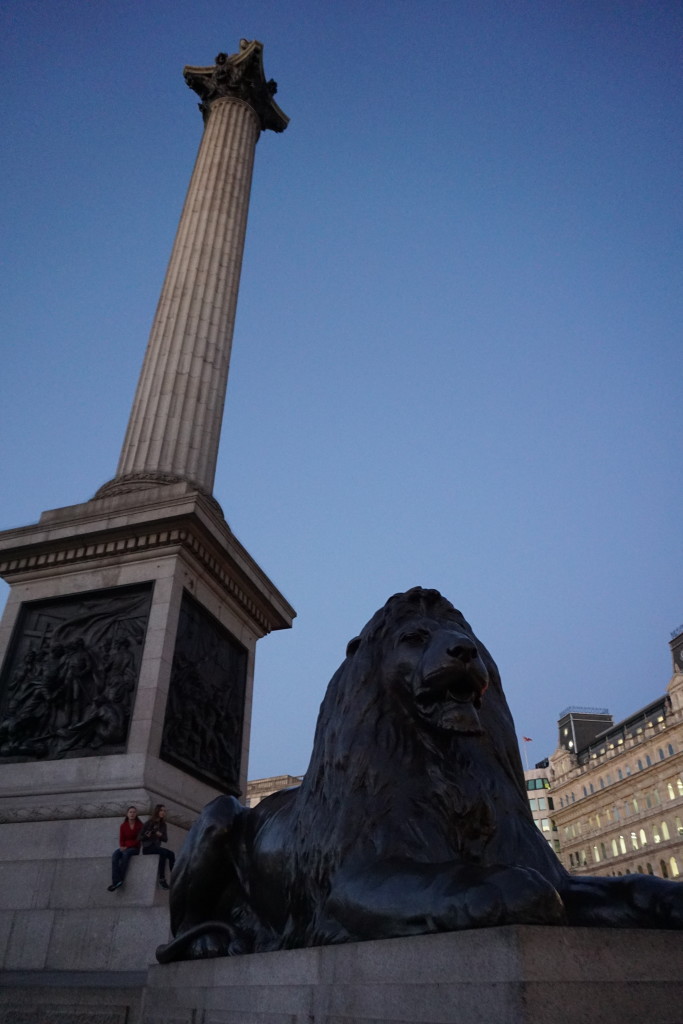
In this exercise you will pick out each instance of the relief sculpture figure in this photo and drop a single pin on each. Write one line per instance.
(412, 817)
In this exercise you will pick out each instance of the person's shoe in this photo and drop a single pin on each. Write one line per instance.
(163, 884)
(116, 885)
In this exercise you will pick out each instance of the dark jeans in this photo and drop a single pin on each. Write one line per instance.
(164, 857)
(119, 863)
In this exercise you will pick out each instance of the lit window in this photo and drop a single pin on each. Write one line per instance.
(673, 867)
(670, 791)
(656, 835)
(665, 831)
(643, 837)
(635, 805)
(679, 786)
(533, 804)
(615, 848)
(545, 824)
(634, 840)
(596, 855)
(622, 844)
(542, 803)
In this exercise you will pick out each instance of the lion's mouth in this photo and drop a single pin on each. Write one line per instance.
(451, 699)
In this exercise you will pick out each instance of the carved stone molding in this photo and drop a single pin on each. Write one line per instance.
(76, 812)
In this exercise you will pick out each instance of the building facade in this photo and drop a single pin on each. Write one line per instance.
(618, 798)
(542, 804)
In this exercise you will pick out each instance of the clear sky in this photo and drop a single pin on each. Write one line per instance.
(458, 345)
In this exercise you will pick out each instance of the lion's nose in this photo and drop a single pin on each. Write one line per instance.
(464, 652)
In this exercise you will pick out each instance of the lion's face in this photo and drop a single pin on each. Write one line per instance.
(438, 666)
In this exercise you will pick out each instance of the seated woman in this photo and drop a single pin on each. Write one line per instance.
(129, 846)
(152, 836)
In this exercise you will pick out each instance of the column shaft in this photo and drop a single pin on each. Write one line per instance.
(175, 421)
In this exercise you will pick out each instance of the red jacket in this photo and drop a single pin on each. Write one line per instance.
(128, 834)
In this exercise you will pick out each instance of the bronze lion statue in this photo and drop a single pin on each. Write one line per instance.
(412, 817)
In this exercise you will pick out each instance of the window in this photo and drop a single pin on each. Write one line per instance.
(640, 765)
(661, 754)
(602, 783)
(533, 804)
(663, 869)
(673, 867)
(574, 798)
(615, 812)
(615, 848)
(679, 786)
(634, 840)
(596, 855)
(665, 831)
(643, 837)
(542, 803)
(628, 769)
(649, 868)
(648, 762)
(635, 805)
(655, 797)
(622, 844)
(620, 774)
(551, 805)
(603, 851)
(545, 824)
(592, 788)
(585, 791)
(671, 750)
(656, 834)
(670, 791)
(679, 826)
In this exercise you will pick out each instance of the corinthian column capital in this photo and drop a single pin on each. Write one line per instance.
(241, 76)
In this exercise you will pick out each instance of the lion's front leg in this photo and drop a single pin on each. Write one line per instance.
(388, 899)
(206, 895)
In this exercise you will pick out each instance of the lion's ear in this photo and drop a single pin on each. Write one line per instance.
(352, 646)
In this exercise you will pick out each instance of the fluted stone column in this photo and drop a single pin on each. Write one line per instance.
(175, 423)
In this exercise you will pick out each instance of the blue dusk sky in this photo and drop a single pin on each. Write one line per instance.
(457, 354)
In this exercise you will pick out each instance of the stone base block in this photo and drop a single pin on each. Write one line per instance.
(512, 975)
(72, 997)
(59, 916)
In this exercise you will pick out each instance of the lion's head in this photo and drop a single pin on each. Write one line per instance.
(430, 659)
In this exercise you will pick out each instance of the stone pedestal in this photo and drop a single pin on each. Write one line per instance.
(512, 975)
(130, 635)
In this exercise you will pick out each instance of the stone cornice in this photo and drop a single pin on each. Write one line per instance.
(111, 531)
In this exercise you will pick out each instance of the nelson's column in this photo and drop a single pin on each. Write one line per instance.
(132, 620)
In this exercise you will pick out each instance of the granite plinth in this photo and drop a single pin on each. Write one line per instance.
(511, 975)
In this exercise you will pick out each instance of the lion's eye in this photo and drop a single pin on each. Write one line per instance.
(416, 638)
